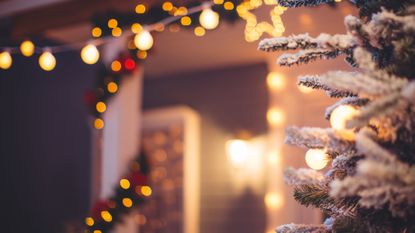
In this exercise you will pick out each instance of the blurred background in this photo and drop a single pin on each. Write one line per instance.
(206, 107)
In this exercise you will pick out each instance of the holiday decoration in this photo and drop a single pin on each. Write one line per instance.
(133, 190)
(370, 186)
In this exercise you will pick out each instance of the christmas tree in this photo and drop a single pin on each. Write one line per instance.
(370, 186)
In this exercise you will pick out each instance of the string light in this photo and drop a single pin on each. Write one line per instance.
(98, 123)
(238, 151)
(142, 54)
(340, 116)
(90, 54)
(209, 19)
(116, 32)
(275, 116)
(316, 159)
(47, 61)
(116, 66)
(146, 191)
(185, 21)
(5, 60)
(275, 81)
(273, 200)
(106, 216)
(124, 183)
(112, 23)
(167, 6)
(89, 221)
(101, 107)
(112, 87)
(27, 48)
(96, 32)
(199, 31)
(218, 2)
(129, 64)
(136, 27)
(228, 6)
(127, 202)
(140, 9)
(97, 231)
(143, 40)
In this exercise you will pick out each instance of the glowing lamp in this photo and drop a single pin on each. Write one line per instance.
(27, 48)
(143, 40)
(316, 159)
(5, 60)
(90, 54)
(275, 81)
(340, 116)
(275, 116)
(47, 61)
(238, 151)
(209, 19)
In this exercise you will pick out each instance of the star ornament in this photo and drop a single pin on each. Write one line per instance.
(253, 29)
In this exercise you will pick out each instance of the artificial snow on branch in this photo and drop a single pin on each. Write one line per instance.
(299, 3)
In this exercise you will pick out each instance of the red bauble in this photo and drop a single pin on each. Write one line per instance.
(129, 64)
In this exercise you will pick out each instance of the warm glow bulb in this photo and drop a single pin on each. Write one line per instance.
(273, 200)
(238, 151)
(209, 19)
(5, 60)
(275, 116)
(127, 202)
(340, 116)
(47, 61)
(106, 216)
(27, 48)
(89, 221)
(90, 54)
(146, 190)
(316, 159)
(125, 184)
(275, 81)
(199, 31)
(143, 40)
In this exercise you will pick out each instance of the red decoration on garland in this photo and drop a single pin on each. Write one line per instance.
(129, 64)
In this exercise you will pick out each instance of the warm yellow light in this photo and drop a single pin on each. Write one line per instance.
(218, 2)
(96, 32)
(116, 32)
(209, 19)
(97, 231)
(115, 66)
(238, 151)
(275, 116)
(316, 158)
(274, 157)
(112, 23)
(90, 54)
(167, 6)
(337, 0)
(136, 27)
(140, 9)
(112, 87)
(98, 123)
(89, 221)
(101, 107)
(228, 6)
(27, 48)
(305, 89)
(273, 200)
(127, 202)
(47, 61)
(275, 81)
(199, 31)
(185, 20)
(143, 40)
(180, 11)
(5, 60)
(106, 216)
(142, 54)
(124, 183)
(146, 190)
(340, 116)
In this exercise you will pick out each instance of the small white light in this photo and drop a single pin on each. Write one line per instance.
(47, 61)
(275, 81)
(5, 60)
(143, 40)
(340, 116)
(209, 19)
(90, 54)
(238, 151)
(273, 200)
(316, 159)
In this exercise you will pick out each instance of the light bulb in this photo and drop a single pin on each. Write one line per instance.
(316, 159)
(143, 40)
(5, 60)
(275, 116)
(273, 200)
(275, 81)
(238, 151)
(340, 116)
(209, 19)
(27, 48)
(47, 61)
(90, 54)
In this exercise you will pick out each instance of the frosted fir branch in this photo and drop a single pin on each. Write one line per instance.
(304, 41)
(302, 228)
(306, 56)
(317, 138)
(299, 3)
(353, 101)
(343, 165)
(366, 145)
(315, 82)
(302, 176)
(409, 92)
